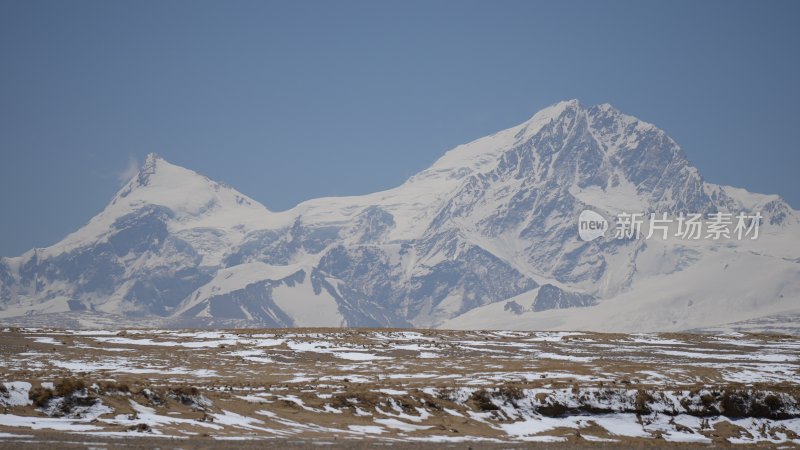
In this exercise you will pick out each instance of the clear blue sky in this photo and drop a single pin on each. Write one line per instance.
(292, 100)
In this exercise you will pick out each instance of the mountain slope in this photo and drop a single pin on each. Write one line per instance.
(491, 222)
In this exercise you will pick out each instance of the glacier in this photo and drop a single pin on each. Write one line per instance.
(485, 238)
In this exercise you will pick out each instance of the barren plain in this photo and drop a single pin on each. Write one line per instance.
(423, 388)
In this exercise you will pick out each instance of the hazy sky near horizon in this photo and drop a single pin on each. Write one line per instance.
(291, 100)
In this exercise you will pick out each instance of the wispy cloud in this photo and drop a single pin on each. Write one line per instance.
(129, 172)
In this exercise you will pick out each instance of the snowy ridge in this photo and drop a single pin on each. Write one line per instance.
(195, 202)
(487, 224)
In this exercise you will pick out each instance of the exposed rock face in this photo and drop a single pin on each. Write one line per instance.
(551, 297)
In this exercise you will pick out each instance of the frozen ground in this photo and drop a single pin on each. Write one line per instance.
(397, 387)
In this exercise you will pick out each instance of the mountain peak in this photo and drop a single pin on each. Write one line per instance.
(191, 199)
(548, 114)
(147, 169)
(155, 163)
(559, 107)
(157, 174)
(470, 157)
(556, 109)
(151, 158)
(184, 191)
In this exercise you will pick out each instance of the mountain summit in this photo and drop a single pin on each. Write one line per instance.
(484, 238)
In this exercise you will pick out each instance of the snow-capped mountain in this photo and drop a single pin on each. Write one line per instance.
(484, 238)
